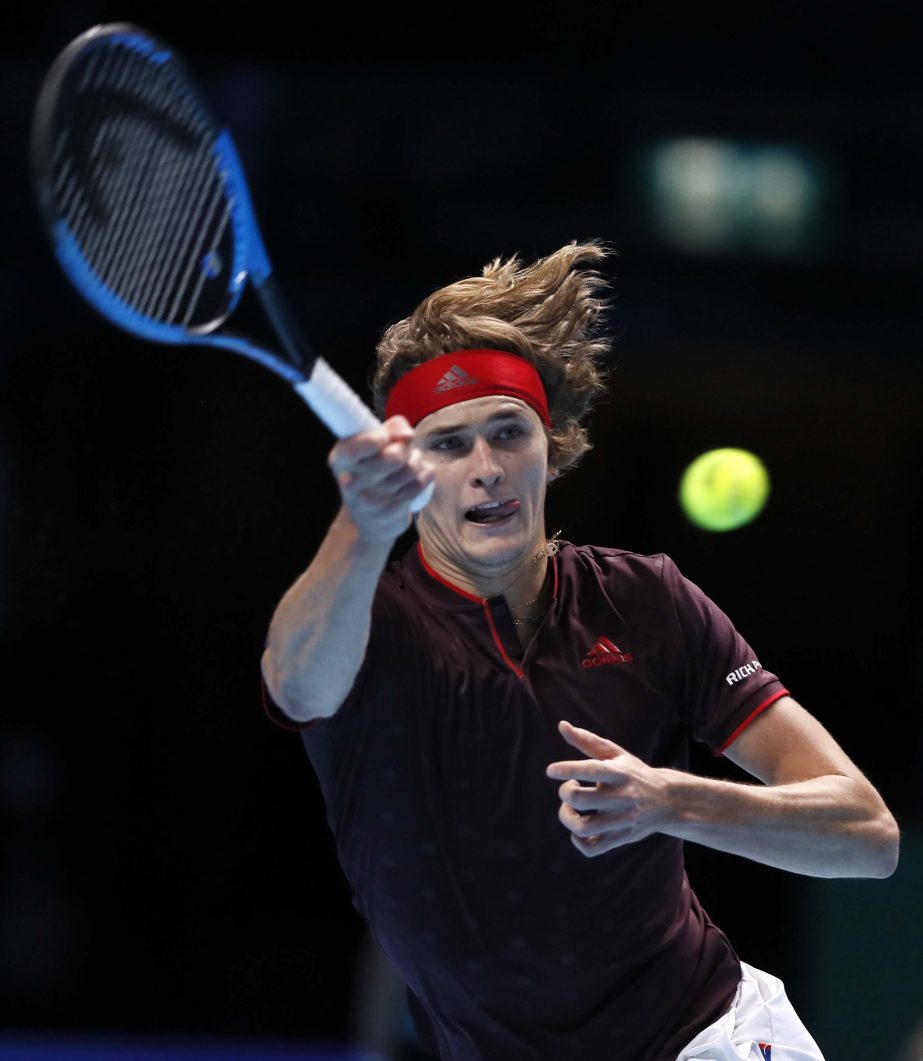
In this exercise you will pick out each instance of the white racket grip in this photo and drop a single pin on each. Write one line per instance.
(343, 411)
(335, 402)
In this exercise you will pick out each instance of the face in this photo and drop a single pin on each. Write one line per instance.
(486, 516)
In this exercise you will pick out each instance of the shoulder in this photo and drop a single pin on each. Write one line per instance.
(392, 595)
(648, 581)
(400, 578)
(408, 595)
(645, 584)
(605, 562)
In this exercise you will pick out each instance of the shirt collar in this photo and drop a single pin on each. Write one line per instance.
(439, 590)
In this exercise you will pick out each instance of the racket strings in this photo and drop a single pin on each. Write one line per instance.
(138, 184)
(201, 255)
(162, 222)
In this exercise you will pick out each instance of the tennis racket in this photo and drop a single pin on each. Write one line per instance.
(144, 199)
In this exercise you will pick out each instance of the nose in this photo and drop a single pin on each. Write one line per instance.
(486, 470)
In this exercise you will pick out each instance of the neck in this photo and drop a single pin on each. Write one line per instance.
(525, 597)
(519, 581)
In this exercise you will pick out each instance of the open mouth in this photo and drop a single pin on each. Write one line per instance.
(492, 511)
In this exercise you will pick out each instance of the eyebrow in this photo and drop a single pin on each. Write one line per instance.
(505, 414)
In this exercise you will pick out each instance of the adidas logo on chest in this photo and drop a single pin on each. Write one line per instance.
(604, 653)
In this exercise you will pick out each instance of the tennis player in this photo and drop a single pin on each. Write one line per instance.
(500, 722)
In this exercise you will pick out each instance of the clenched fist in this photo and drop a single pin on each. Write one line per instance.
(379, 474)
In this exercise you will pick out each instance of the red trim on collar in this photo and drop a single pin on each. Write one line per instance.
(470, 596)
(483, 601)
(445, 582)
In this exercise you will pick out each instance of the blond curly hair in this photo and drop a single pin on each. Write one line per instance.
(548, 312)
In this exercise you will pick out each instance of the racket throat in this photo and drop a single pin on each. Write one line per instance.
(294, 343)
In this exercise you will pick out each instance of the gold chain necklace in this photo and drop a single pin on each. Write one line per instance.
(526, 605)
(550, 548)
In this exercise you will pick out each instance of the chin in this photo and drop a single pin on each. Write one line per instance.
(500, 549)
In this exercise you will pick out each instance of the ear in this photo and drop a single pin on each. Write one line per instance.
(553, 473)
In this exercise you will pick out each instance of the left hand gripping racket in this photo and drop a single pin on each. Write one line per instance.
(145, 202)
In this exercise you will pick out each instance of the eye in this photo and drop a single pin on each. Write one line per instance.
(445, 444)
(510, 431)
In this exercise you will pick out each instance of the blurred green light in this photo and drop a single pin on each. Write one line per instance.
(713, 196)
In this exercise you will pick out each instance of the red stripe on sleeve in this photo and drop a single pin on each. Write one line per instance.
(746, 722)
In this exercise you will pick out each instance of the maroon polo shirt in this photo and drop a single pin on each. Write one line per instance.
(514, 945)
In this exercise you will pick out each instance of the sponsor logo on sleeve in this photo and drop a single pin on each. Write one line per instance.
(744, 672)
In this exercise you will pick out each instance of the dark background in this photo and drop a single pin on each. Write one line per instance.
(166, 863)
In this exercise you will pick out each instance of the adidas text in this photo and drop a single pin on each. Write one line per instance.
(604, 652)
(603, 661)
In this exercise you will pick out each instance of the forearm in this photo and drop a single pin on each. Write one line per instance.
(319, 632)
(829, 826)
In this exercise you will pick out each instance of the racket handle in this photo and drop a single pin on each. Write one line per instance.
(343, 411)
(335, 402)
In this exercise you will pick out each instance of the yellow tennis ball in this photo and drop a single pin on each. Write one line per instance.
(724, 489)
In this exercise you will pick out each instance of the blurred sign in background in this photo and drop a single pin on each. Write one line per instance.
(167, 867)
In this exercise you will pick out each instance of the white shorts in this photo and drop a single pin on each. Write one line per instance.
(761, 1025)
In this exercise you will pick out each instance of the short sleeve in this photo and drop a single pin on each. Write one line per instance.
(725, 687)
(381, 653)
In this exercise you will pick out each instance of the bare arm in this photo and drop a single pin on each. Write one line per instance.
(815, 814)
(320, 629)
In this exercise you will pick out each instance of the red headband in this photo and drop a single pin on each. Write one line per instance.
(462, 375)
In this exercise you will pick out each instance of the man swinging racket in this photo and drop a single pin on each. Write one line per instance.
(500, 722)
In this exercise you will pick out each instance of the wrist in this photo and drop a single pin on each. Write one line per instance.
(692, 802)
(678, 799)
(364, 544)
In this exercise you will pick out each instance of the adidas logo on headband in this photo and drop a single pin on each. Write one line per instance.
(428, 387)
(455, 377)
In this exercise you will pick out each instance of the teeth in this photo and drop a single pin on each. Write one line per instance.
(487, 504)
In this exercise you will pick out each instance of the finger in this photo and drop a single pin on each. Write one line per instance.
(390, 458)
(393, 474)
(350, 451)
(398, 427)
(586, 770)
(580, 797)
(389, 473)
(367, 443)
(369, 471)
(410, 483)
(591, 743)
(578, 824)
(392, 494)
(594, 846)
(616, 820)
